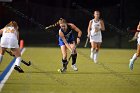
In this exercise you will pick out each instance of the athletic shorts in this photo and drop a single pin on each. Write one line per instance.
(9, 43)
(70, 41)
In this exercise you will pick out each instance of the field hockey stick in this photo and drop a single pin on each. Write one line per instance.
(24, 62)
(51, 26)
(134, 31)
(133, 39)
(71, 54)
(87, 40)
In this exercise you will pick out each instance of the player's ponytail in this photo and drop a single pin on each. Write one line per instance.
(61, 20)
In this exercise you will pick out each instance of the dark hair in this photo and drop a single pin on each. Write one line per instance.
(97, 11)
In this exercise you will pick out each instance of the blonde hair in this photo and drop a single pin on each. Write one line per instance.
(13, 24)
(61, 21)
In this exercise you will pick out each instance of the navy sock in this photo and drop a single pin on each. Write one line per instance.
(74, 57)
(65, 63)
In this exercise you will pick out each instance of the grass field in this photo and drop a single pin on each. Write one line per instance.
(110, 75)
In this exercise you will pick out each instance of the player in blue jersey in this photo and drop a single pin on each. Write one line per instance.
(66, 41)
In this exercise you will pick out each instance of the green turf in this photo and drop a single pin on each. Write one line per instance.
(111, 75)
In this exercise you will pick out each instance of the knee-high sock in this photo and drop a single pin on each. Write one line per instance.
(1, 57)
(92, 52)
(74, 57)
(65, 63)
(134, 57)
(96, 55)
(18, 61)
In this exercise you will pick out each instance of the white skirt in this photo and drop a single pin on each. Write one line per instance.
(9, 43)
(96, 37)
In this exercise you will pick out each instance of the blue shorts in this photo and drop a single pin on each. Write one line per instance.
(61, 43)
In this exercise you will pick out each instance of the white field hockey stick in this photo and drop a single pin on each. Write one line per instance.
(133, 39)
(87, 40)
(24, 62)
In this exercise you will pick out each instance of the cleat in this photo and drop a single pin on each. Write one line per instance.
(131, 63)
(18, 68)
(74, 67)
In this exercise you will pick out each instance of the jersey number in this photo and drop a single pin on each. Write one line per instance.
(8, 30)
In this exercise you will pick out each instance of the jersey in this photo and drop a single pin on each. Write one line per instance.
(9, 38)
(95, 36)
(9, 32)
(68, 36)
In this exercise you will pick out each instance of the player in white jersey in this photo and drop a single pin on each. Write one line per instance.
(95, 27)
(137, 54)
(9, 40)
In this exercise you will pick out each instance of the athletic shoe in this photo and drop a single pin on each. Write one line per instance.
(95, 61)
(74, 67)
(131, 63)
(18, 68)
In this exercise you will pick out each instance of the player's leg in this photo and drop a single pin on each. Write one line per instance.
(97, 47)
(93, 54)
(138, 51)
(132, 60)
(2, 53)
(64, 58)
(17, 54)
(74, 56)
(93, 45)
(3, 45)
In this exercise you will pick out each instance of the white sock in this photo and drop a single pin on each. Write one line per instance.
(1, 57)
(95, 56)
(92, 53)
(134, 57)
(18, 60)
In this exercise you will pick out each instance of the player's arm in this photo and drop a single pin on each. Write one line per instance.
(18, 35)
(17, 32)
(89, 28)
(1, 31)
(64, 40)
(138, 27)
(102, 26)
(77, 30)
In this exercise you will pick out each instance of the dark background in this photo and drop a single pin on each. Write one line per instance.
(33, 15)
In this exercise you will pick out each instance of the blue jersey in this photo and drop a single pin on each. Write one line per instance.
(68, 36)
